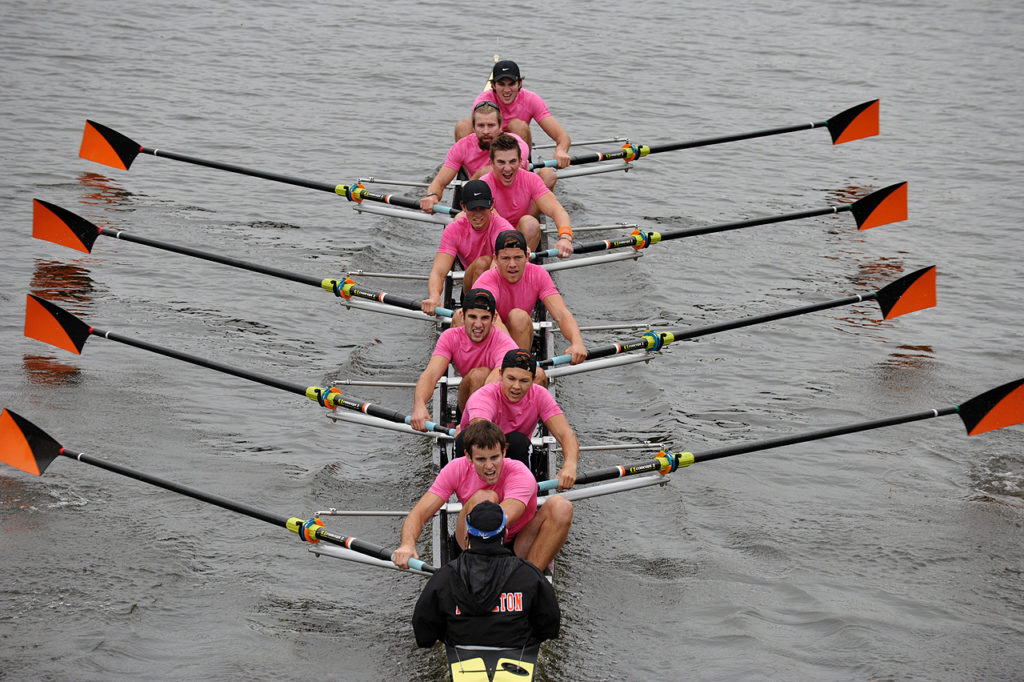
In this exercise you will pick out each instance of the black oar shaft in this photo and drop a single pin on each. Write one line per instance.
(277, 177)
(729, 451)
(708, 141)
(768, 220)
(201, 362)
(213, 257)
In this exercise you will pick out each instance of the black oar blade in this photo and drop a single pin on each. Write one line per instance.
(995, 409)
(909, 293)
(854, 123)
(107, 146)
(51, 324)
(887, 205)
(52, 223)
(25, 446)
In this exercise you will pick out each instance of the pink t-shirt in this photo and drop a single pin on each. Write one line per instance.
(456, 345)
(459, 239)
(535, 285)
(526, 106)
(514, 482)
(466, 152)
(513, 202)
(491, 404)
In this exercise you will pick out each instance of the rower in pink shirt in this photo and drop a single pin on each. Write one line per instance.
(520, 196)
(517, 285)
(516, 404)
(476, 349)
(518, 108)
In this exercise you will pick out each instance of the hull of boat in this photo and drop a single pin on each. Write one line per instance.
(490, 664)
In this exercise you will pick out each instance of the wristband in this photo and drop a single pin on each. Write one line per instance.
(565, 232)
(433, 194)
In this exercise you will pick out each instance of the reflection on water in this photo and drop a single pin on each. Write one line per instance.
(47, 371)
(58, 281)
(99, 189)
(907, 369)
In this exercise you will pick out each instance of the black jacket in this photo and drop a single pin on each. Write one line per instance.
(487, 596)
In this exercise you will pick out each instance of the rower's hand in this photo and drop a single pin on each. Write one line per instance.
(567, 477)
(564, 246)
(403, 554)
(562, 158)
(418, 418)
(427, 203)
(578, 352)
(429, 305)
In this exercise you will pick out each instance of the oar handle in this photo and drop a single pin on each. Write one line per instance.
(645, 343)
(313, 531)
(664, 463)
(332, 398)
(358, 193)
(347, 289)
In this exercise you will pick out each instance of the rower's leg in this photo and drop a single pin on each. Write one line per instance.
(475, 269)
(460, 524)
(522, 129)
(548, 176)
(541, 377)
(473, 380)
(541, 539)
(520, 327)
(530, 227)
(457, 320)
(463, 128)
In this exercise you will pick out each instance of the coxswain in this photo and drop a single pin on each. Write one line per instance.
(485, 474)
(487, 596)
(519, 107)
(517, 285)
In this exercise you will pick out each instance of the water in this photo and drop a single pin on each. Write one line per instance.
(893, 554)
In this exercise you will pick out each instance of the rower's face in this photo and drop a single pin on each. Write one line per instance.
(487, 462)
(479, 218)
(515, 382)
(511, 264)
(505, 165)
(507, 89)
(478, 324)
(486, 127)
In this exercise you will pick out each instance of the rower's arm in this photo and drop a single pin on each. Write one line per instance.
(513, 508)
(436, 368)
(443, 263)
(413, 526)
(436, 188)
(559, 427)
(567, 325)
(550, 206)
(557, 133)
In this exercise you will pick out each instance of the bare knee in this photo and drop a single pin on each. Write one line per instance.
(559, 509)
(463, 128)
(548, 176)
(484, 496)
(522, 129)
(530, 228)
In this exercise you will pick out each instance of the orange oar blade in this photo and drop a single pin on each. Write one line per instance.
(1002, 406)
(915, 291)
(854, 123)
(58, 225)
(107, 146)
(52, 324)
(25, 446)
(887, 205)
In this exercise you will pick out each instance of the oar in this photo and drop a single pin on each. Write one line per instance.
(995, 409)
(909, 293)
(853, 124)
(25, 446)
(111, 148)
(52, 324)
(884, 206)
(60, 226)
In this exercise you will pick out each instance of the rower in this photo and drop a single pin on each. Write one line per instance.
(470, 238)
(521, 196)
(487, 596)
(516, 403)
(484, 474)
(517, 285)
(518, 108)
(476, 348)
(472, 153)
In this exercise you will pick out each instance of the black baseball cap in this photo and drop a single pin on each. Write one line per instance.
(523, 359)
(479, 298)
(506, 68)
(510, 239)
(477, 194)
(487, 520)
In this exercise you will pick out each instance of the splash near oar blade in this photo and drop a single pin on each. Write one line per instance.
(908, 294)
(855, 123)
(107, 146)
(52, 223)
(887, 205)
(995, 409)
(25, 446)
(52, 324)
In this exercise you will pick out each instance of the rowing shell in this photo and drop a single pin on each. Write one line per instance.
(492, 664)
